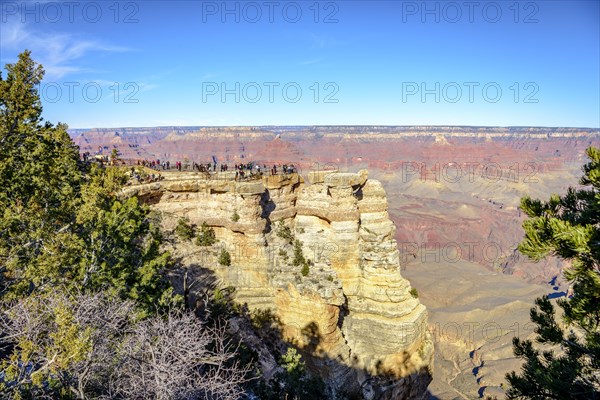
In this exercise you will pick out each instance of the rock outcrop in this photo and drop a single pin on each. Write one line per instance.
(323, 258)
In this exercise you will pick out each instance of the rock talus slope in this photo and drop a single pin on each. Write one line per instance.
(349, 310)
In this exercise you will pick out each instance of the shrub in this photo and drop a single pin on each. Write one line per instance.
(414, 293)
(300, 260)
(284, 232)
(297, 382)
(224, 258)
(184, 229)
(305, 270)
(206, 237)
(298, 255)
(283, 255)
(292, 362)
(221, 305)
(261, 318)
(235, 217)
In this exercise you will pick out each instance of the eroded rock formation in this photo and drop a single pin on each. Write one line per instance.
(341, 299)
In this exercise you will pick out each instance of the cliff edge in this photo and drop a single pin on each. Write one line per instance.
(322, 257)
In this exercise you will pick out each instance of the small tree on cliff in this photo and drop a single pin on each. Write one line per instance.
(568, 227)
(184, 229)
(115, 156)
(206, 237)
(224, 258)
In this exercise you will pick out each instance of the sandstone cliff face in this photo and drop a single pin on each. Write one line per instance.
(351, 311)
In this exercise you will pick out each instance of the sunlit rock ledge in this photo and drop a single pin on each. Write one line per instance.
(352, 313)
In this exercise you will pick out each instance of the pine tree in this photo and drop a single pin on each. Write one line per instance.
(62, 223)
(40, 177)
(84, 305)
(568, 365)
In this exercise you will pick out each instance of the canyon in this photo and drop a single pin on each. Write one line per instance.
(437, 178)
(439, 207)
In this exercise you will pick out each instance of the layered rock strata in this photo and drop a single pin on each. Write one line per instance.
(322, 257)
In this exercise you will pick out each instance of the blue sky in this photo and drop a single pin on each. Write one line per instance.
(156, 63)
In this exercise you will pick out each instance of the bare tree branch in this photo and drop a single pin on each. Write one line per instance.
(174, 357)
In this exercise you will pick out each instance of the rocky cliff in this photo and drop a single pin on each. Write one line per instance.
(322, 256)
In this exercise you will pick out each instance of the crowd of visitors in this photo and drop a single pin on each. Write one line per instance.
(154, 164)
(250, 170)
(140, 177)
(243, 171)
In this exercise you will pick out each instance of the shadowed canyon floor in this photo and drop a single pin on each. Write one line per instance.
(473, 316)
(453, 194)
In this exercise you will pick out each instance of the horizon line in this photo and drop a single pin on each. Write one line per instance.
(342, 126)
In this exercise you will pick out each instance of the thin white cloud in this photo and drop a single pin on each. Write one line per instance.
(59, 53)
